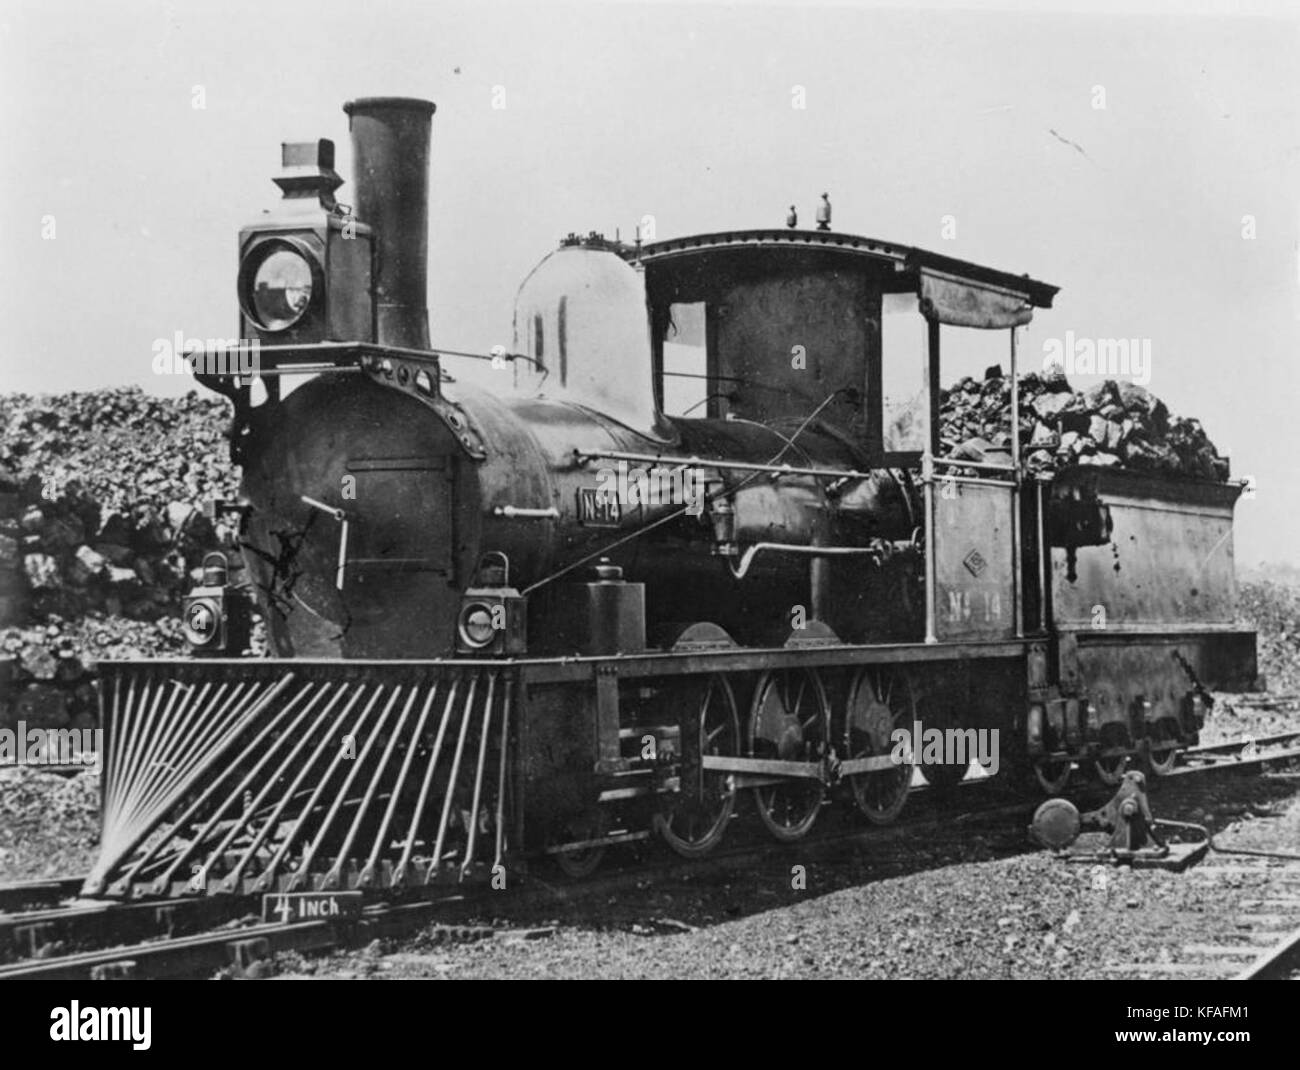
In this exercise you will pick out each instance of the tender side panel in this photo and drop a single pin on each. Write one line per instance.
(1168, 563)
(1147, 616)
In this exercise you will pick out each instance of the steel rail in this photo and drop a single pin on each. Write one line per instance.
(189, 956)
(1229, 747)
(24, 893)
(1278, 963)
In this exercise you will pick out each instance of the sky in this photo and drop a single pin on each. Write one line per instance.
(1148, 164)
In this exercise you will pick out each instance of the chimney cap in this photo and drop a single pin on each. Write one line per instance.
(319, 153)
(308, 169)
(403, 103)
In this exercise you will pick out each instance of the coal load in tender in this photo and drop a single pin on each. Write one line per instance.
(1112, 424)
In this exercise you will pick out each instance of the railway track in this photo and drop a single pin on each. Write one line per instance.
(1252, 876)
(1280, 963)
(1240, 753)
(186, 937)
(27, 894)
(42, 937)
(1265, 939)
(84, 923)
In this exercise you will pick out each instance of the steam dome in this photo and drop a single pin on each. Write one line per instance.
(581, 319)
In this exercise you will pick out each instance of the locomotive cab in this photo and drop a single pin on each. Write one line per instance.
(799, 329)
(773, 325)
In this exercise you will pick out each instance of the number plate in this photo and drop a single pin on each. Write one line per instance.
(597, 510)
(311, 906)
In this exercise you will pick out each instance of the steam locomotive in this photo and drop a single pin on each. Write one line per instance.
(698, 543)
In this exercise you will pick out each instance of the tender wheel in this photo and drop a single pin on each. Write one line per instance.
(1160, 753)
(1053, 776)
(694, 821)
(880, 700)
(941, 775)
(582, 862)
(943, 778)
(1110, 765)
(789, 721)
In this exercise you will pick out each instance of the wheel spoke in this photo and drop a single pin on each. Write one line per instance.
(692, 822)
(788, 809)
(879, 703)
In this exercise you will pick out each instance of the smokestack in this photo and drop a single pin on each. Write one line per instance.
(390, 166)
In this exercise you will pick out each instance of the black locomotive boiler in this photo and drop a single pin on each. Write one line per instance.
(696, 542)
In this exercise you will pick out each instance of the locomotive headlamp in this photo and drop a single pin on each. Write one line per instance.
(305, 268)
(476, 629)
(277, 282)
(281, 289)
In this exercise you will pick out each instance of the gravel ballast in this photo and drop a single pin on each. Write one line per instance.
(928, 906)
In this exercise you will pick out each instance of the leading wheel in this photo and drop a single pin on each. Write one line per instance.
(880, 701)
(789, 721)
(580, 862)
(693, 821)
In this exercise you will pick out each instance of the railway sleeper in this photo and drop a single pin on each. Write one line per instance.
(36, 938)
(122, 970)
(245, 954)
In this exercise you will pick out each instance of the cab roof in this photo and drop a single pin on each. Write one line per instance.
(907, 261)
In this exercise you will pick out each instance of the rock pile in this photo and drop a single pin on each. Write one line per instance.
(99, 496)
(47, 669)
(1110, 424)
(100, 534)
(49, 825)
